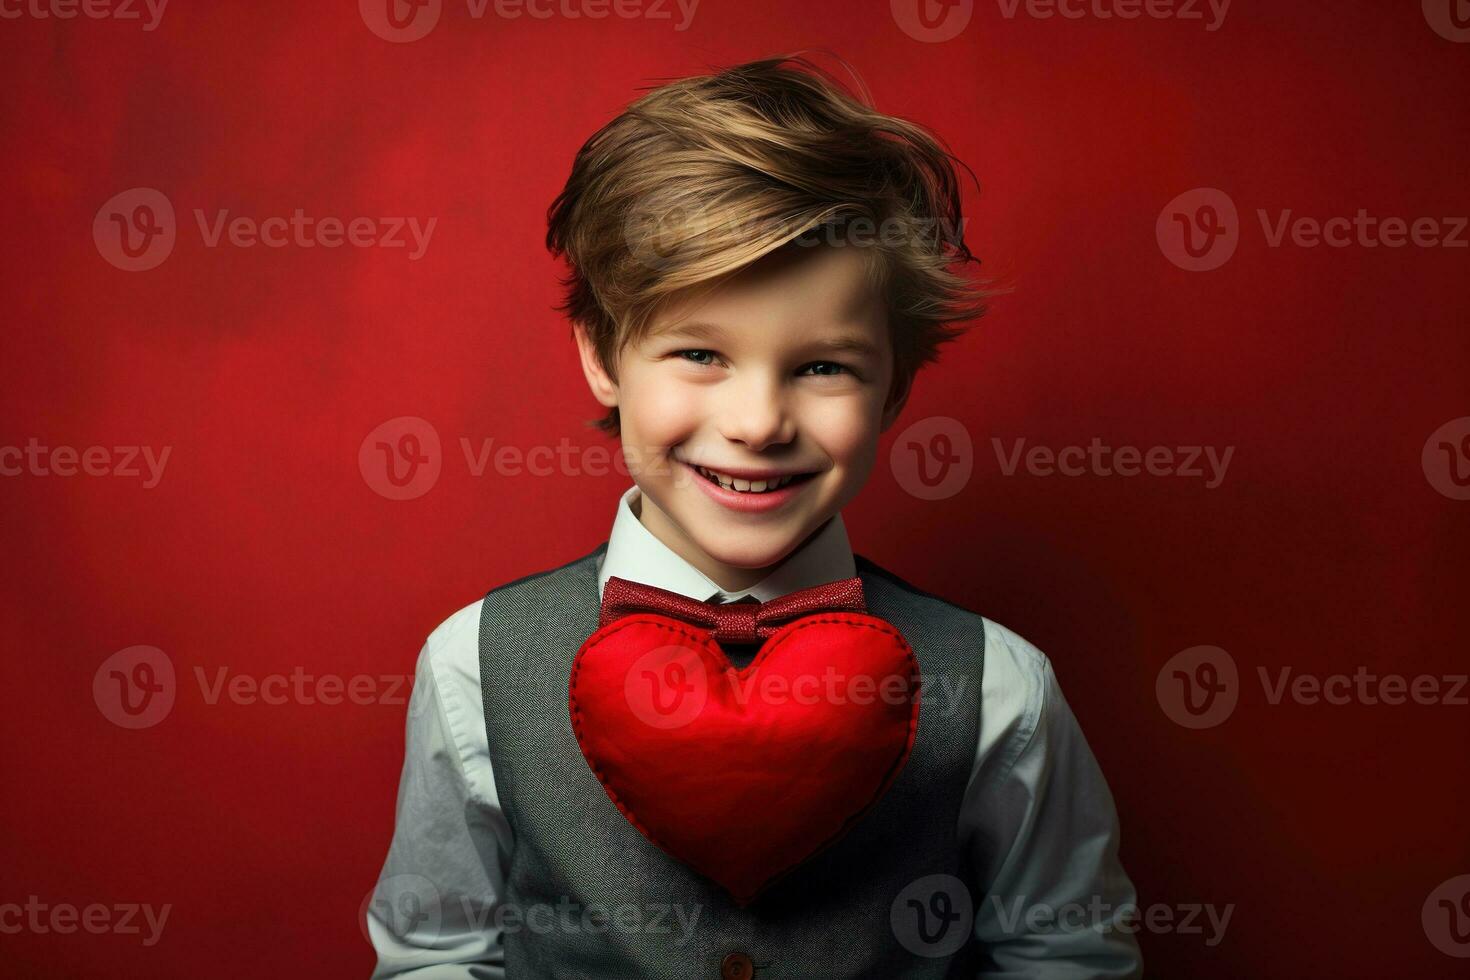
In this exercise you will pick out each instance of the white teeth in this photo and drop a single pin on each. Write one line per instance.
(745, 486)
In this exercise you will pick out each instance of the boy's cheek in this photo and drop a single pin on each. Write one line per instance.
(846, 431)
(655, 419)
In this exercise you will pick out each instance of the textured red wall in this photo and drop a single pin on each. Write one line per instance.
(1335, 542)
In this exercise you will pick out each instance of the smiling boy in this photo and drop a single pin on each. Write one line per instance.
(759, 266)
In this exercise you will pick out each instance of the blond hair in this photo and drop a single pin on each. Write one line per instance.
(704, 175)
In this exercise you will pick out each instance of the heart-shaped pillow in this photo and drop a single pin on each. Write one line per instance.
(742, 774)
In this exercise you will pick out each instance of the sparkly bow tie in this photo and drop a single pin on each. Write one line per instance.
(731, 622)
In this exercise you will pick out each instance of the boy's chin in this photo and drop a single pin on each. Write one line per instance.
(764, 551)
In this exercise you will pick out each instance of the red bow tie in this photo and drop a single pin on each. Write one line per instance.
(731, 622)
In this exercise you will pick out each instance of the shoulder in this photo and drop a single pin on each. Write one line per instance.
(553, 585)
(452, 652)
(1018, 685)
(1010, 653)
(882, 588)
(1019, 655)
(448, 678)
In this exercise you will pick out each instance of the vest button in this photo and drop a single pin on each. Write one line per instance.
(736, 966)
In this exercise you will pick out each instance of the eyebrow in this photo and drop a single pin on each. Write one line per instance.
(702, 330)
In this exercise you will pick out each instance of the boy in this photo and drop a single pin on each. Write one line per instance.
(759, 266)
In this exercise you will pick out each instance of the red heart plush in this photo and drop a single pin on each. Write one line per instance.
(742, 774)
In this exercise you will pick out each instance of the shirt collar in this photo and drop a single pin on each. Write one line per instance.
(633, 553)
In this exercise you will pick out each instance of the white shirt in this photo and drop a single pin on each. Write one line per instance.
(1037, 821)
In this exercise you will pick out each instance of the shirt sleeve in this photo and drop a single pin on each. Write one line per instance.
(432, 915)
(1055, 902)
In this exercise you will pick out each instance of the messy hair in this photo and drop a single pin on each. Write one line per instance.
(704, 175)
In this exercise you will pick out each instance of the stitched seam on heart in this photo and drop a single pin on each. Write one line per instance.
(664, 623)
(896, 767)
(791, 629)
(659, 622)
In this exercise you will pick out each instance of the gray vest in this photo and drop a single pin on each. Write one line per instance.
(588, 896)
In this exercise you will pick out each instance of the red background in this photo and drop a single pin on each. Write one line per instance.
(263, 548)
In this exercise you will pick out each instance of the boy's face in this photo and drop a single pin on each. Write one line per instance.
(782, 372)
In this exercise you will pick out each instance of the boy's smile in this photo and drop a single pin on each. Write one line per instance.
(750, 413)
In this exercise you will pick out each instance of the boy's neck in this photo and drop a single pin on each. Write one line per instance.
(730, 578)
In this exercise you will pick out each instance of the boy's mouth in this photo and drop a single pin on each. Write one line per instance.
(740, 484)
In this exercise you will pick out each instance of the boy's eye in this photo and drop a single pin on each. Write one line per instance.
(829, 368)
(821, 369)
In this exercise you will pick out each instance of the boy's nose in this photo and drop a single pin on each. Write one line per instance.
(757, 418)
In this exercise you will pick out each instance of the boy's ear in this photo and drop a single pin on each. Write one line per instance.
(604, 389)
(897, 398)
